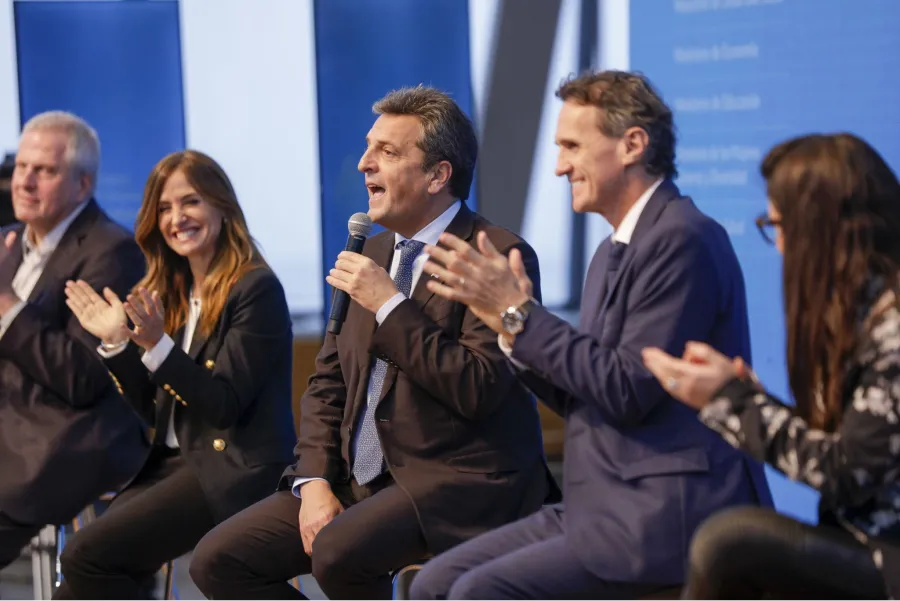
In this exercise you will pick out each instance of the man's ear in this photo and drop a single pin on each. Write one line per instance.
(635, 142)
(440, 177)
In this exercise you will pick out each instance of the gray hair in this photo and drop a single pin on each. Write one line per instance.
(83, 145)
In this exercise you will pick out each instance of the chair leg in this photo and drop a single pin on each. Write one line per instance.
(169, 570)
(48, 559)
(36, 582)
(60, 543)
(41, 562)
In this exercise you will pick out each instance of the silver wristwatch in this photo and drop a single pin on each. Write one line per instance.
(513, 319)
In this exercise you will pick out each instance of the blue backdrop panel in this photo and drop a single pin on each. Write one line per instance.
(364, 50)
(116, 64)
(744, 75)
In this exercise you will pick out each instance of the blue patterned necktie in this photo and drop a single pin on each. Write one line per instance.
(368, 461)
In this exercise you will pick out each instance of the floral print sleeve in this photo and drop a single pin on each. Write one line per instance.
(849, 467)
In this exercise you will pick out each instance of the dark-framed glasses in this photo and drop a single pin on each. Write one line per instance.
(766, 226)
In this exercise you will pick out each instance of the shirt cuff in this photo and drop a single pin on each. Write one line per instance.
(298, 482)
(8, 317)
(507, 350)
(389, 306)
(108, 352)
(154, 357)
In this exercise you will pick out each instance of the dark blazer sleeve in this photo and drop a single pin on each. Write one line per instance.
(257, 320)
(555, 398)
(849, 466)
(132, 376)
(467, 373)
(66, 362)
(675, 299)
(318, 449)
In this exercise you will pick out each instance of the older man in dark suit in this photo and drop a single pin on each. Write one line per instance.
(641, 472)
(415, 435)
(66, 434)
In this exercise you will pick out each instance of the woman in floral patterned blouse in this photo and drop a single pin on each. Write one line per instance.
(834, 209)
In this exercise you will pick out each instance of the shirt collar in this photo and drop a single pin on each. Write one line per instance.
(431, 233)
(626, 228)
(54, 237)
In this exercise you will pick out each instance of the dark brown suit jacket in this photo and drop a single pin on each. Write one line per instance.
(66, 435)
(461, 436)
(231, 392)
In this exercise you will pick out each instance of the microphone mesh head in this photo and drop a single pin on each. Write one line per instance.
(360, 224)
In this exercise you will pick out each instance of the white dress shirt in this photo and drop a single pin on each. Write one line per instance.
(621, 234)
(34, 260)
(430, 234)
(153, 358)
(625, 230)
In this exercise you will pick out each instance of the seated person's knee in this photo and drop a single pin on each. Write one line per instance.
(472, 585)
(332, 556)
(77, 552)
(722, 539)
(210, 561)
(427, 584)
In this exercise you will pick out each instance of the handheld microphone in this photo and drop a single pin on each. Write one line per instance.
(359, 225)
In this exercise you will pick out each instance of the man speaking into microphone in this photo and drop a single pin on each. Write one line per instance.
(414, 434)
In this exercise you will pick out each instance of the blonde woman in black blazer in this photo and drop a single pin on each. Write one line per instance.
(207, 361)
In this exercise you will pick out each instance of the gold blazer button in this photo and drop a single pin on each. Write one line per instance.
(219, 444)
(210, 364)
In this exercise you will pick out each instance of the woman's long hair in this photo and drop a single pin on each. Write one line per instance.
(840, 218)
(169, 273)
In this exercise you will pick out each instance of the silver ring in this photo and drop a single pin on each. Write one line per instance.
(671, 383)
(462, 281)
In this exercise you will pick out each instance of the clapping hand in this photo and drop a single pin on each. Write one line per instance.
(106, 317)
(694, 378)
(483, 279)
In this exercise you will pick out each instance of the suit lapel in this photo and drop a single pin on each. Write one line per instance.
(61, 258)
(609, 290)
(382, 252)
(463, 227)
(198, 343)
(652, 210)
(594, 287)
(666, 191)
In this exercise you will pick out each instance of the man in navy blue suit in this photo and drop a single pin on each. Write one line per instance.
(641, 472)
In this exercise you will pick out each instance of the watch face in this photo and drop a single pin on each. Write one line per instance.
(512, 322)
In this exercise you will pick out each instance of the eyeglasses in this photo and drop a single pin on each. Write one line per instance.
(766, 226)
